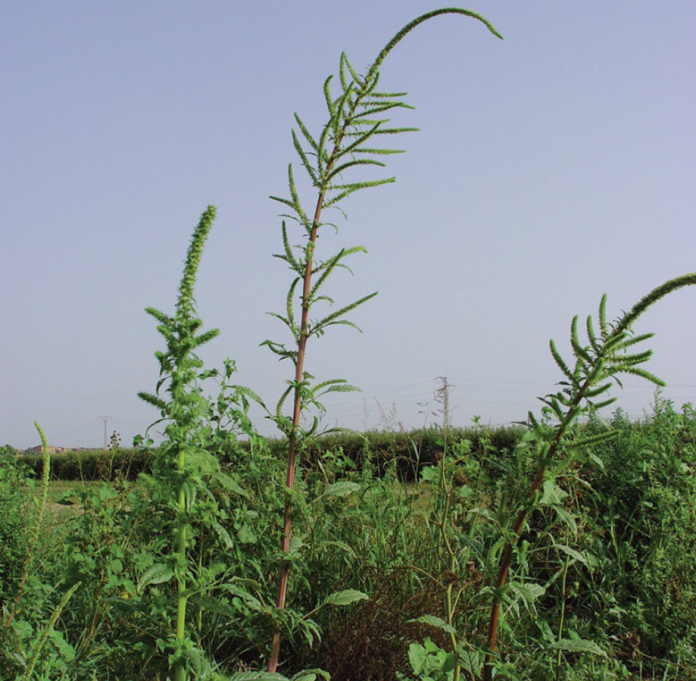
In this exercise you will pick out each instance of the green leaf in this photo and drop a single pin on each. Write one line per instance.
(230, 484)
(528, 591)
(345, 597)
(223, 534)
(310, 675)
(157, 574)
(578, 646)
(566, 517)
(249, 600)
(571, 552)
(256, 676)
(341, 489)
(339, 545)
(469, 660)
(417, 656)
(434, 621)
(597, 460)
(246, 535)
(552, 494)
(216, 606)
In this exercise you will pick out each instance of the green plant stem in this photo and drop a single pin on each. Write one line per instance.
(46, 474)
(179, 367)
(47, 630)
(180, 671)
(517, 529)
(447, 490)
(563, 607)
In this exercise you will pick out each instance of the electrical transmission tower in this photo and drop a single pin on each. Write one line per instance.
(106, 421)
(442, 397)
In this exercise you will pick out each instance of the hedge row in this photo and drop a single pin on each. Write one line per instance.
(408, 451)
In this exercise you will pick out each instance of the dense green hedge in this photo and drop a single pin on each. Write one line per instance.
(408, 451)
(93, 465)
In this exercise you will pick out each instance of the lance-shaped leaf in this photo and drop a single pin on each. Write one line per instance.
(342, 488)
(337, 385)
(228, 482)
(280, 350)
(311, 675)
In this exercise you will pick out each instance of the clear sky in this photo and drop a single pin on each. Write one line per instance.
(550, 167)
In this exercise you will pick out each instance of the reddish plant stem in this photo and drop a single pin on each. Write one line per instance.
(297, 409)
(517, 530)
(502, 578)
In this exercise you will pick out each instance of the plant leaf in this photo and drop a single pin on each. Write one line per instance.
(157, 574)
(345, 597)
(341, 489)
(578, 646)
(434, 621)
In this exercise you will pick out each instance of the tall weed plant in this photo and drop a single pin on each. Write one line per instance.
(567, 555)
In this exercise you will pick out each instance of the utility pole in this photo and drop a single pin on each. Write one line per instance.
(106, 421)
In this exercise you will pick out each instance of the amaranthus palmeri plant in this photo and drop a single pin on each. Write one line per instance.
(185, 462)
(585, 390)
(345, 142)
(9, 613)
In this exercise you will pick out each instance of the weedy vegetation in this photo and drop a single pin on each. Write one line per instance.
(566, 553)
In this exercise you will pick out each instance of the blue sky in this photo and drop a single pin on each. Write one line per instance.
(550, 167)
